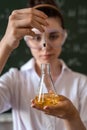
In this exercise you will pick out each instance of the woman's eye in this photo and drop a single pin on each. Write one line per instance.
(53, 37)
(37, 38)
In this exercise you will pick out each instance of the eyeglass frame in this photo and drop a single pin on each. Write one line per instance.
(63, 32)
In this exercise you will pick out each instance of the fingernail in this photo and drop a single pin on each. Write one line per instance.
(46, 107)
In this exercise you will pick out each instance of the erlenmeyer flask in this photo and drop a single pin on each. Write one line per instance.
(47, 94)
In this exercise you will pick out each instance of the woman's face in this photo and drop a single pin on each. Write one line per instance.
(53, 39)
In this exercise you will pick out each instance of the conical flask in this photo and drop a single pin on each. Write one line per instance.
(47, 94)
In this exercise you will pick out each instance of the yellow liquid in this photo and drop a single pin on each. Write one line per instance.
(47, 99)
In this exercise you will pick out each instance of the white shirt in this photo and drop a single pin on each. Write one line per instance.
(17, 88)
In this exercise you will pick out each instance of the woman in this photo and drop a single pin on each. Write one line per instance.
(42, 27)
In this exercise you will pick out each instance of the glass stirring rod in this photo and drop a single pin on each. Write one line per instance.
(44, 40)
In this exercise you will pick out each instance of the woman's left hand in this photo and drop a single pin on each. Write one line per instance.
(63, 109)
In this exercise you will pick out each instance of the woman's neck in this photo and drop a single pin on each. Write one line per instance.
(55, 68)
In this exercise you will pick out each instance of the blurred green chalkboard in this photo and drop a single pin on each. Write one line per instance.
(74, 50)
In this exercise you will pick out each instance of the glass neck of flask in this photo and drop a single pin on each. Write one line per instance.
(45, 68)
(46, 77)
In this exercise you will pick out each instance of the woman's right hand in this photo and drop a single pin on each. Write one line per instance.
(20, 24)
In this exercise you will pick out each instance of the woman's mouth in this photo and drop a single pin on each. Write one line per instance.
(46, 56)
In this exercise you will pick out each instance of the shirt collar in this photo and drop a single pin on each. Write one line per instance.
(30, 65)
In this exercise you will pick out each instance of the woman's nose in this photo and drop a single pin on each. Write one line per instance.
(46, 45)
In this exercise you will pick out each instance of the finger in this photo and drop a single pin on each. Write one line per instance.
(26, 24)
(35, 22)
(40, 13)
(34, 11)
(27, 11)
(32, 100)
(38, 26)
(57, 113)
(19, 33)
(58, 107)
(36, 107)
(51, 114)
(40, 20)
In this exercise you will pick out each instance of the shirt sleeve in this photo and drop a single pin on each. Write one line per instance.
(83, 99)
(7, 84)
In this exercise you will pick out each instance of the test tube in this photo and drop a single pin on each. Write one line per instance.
(44, 40)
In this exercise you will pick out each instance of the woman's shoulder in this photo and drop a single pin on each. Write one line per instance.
(11, 73)
(73, 74)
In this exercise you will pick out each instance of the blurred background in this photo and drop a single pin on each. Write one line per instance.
(74, 50)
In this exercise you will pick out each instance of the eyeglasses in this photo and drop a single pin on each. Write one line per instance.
(52, 38)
